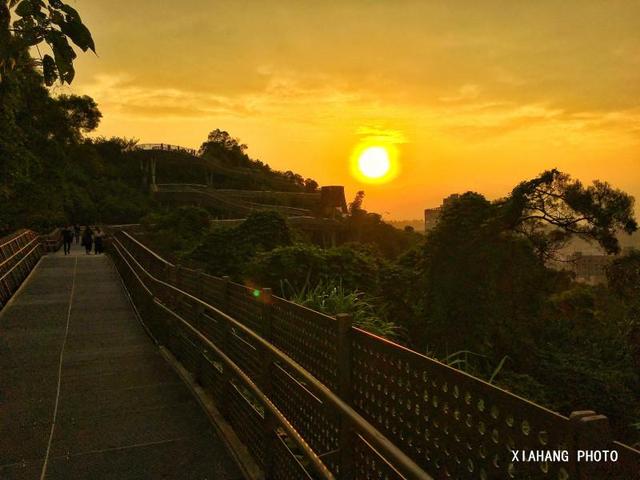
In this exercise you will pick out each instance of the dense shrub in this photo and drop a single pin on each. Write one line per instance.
(352, 266)
(227, 251)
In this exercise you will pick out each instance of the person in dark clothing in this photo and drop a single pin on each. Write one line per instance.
(87, 239)
(99, 241)
(67, 239)
(76, 233)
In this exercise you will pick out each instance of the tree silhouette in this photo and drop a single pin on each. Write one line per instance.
(553, 207)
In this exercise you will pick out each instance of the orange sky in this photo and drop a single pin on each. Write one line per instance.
(476, 96)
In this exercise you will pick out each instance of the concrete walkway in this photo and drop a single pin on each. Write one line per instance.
(84, 392)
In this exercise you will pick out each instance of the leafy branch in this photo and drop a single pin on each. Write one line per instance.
(52, 22)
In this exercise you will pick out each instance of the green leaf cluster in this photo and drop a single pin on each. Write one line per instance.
(52, 22)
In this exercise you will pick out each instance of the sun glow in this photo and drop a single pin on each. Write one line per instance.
(374, 162)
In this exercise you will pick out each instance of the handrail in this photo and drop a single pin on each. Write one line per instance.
(34, 239)
(25, 243)
(317, 463)
(14, 238)
(379, 365)
(18, 263)
(373, 435)
(166, 147)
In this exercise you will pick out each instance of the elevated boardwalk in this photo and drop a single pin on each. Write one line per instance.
(85, 393)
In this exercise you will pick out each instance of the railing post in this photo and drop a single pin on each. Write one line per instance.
(269, 422)
(346, 439)
(267, 321)
(199, 321)
(591, 432)
(177, 274)
(225, 296)
(225, 394)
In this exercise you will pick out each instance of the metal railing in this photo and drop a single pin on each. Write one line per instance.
(19, 253)
(252, 380)
(198, 194)
(165, 147)
(52, 241)
(345, 392)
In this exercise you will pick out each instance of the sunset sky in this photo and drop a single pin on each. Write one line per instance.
(475, 95)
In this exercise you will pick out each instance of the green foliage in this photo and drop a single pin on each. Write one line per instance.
(82, 112)
(576, 380)
(479, 284)
(623, 275)
(228, 251)
(332, 298)
(351, 266)
(473, 281)
(52, 22)
(177, 230)
(49, 174)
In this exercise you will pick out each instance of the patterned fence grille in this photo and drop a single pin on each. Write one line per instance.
(450, 424)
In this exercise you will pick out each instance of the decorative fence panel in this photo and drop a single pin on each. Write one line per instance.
(309, 337)
(274, 368)
(454, 425)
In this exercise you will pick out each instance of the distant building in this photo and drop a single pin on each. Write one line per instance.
(592, 268)
(432, 215)
(589, 269)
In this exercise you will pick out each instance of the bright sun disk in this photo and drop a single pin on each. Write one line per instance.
(374, 162)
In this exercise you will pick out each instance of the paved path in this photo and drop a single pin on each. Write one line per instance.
(71, 349)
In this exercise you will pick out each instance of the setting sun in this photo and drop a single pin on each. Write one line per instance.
(374, 162)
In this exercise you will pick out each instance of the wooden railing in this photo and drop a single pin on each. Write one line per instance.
(296, 384)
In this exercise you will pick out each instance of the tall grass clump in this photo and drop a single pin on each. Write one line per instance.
(331, 298)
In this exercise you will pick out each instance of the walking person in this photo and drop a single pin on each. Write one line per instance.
(98, 237)
(87, 239)
(76, 233)
(67, 239)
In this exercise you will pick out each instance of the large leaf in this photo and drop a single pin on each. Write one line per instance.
(27, 31)
(64, 55)
(27, 8)
(79, 34)
(49, 70)
(71, 12)
(57, 17)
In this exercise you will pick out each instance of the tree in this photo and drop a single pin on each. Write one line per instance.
(52, 22)
(228, 251)
(221, 145)
(355, 207)
(553, 207)
(623, 278)
(475, 279)
(81, 111)
(310, 185)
